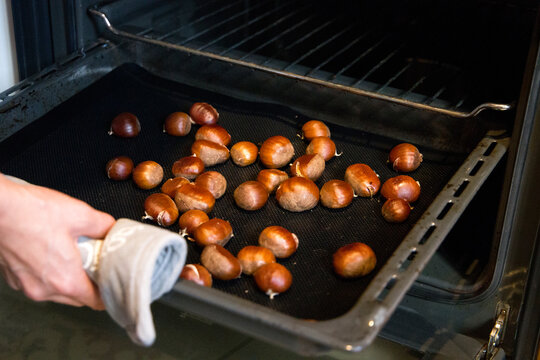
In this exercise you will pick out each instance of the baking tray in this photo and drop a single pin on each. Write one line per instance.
(67, 149)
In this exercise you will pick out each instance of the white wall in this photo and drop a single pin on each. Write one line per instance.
(8, 56)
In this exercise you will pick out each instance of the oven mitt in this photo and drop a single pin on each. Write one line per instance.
(134, 265)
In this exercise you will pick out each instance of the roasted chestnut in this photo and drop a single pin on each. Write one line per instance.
(271, 178)
(213, 182)
(354, 260)
(213, 231)
(253, 257)
(273, 279)
(336, 194)
(170, 186)
(220, 262)
(297, 194)
(244, 153)
(177, 124)
(148, 174)
(315, 128)
(188, 167)
(250, 195)
(190, 220)
(276, 151)
(308, 166)
(279, 240)
(401, 187)
(203, 114)
(209, 152)
(405, 157)
(125, 125)
(197, 274)
(323, 146)
(160, 208)
(214, 133)
(396, 210)
(193, 197)
(363, 180)
(119, 168)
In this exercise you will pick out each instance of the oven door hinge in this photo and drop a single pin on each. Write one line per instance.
(489, 351)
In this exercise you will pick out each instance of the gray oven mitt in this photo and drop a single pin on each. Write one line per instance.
(135, 265)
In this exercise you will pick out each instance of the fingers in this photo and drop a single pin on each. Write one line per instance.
(96, 224)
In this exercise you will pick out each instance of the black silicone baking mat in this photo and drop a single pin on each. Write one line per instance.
(67, 150)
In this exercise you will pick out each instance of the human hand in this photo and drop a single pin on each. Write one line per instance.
(39, 228)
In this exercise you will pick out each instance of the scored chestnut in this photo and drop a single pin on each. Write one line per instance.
(190, 220)
(193, 197)
(170, 186)
(125, 125)
(276, 151)
(213, 231)
(396, 210)
(363, 180)
(244, 153)
(271, 178)
(405, 157)
(297, 194)
(336, 194)
(401, 187)
(279, 240)
(203, 113)
(273, 279)
(250, 195)
(188, 167)
(214, 133)
(119, 168)
(253, 257)
(308, 166)
(160, 208)
(209, 152)
(220, 262)
(177, 124)
(197, 274)
(323, 146)
(313, 129)
(148, 174)
(213, 182)
(354, 260)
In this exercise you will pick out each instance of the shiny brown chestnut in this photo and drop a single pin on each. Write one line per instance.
(148, 174)
(354, 260)
(323, 146)
(405, 157)
(188, 167)
(203, 113)
(220, 262)
(119, 168)
(170, 186)
(253, 257)
(251, 195)
(396, 210)
(336, 194)
(308, 166)
(271, 178)
(214, 133)
(190, 220)
(125, 125)
(197, 274)
(160, 208)
(401, 187)
(313, 129)
(273, 279)
(193, 197)
(276, 151)
(213, 231)
(209, 152)
(213, 182)
(279, 240)
(297, 194)
(177, 124)
(244, 153)
(363, 179)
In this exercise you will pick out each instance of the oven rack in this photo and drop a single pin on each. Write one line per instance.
(442, 76)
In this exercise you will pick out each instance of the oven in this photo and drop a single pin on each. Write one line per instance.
(457, 79)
